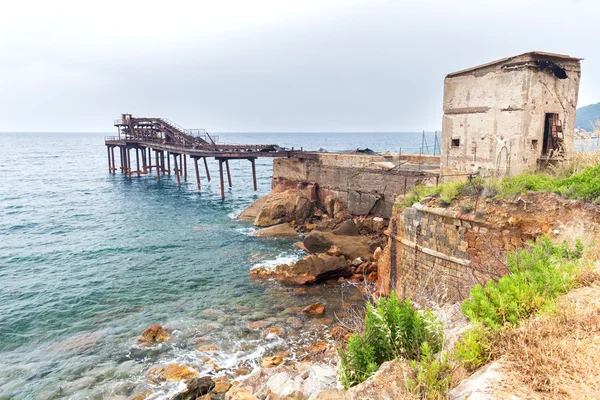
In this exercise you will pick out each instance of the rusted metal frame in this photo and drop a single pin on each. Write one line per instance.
(169, 162)
(176, 169)
(144, 161)
(150, 159)
(197, 172)
(252, 160)
(162, 161)
(128, 162)
(228, 172)
(206, 168)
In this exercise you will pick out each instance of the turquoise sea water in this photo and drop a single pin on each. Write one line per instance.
(89, 259)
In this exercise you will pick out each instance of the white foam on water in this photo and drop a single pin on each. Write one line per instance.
(246, 230)
(285, 258)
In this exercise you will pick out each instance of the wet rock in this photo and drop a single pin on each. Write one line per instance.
(273, 333)
(281, 230)
(270, 362)
(208, 348)
(238, 393)
(173, 372)
(241, 371)
(222, 385)
(310, 269)
(196, 387)
(328, 394)
(213, 365)
(347, 228)
(289, 205)
(314, 309)
(318, 347)
(300, 245)
(292, 310)
(78, 385)
(211, 313)
(154, 334)
(339, 333)
(141, 396)
(300, 291)
(350, 247)
(256, 325)
(294, 322)
(250, 213)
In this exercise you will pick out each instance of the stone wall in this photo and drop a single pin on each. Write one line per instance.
(364, 183)
(441, 253)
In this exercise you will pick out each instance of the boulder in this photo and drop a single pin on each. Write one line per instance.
(310, 269)
(154, 334)
(280, 230)
(284, 386)
(347, 228)
(389, 382)
(195, 388)
(290, 205)
(328, 394)
(238, 393)
(173, 372)
(320, 377)
(250, 213)
(350, 246)
(314, 309)
(481, 385)
(222, 385)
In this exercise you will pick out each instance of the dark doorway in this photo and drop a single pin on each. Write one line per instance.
(553, 135)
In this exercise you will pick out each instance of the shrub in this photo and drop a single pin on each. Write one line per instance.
(474, 350)
(392, 329)
(432, 377)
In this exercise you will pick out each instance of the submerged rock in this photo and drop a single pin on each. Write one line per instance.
(280, 230)
(154, 334)
(173, 372)
(196, 387)
(310, 269)
(314, 309)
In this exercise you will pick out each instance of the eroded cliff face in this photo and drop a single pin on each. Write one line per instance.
(437, 253)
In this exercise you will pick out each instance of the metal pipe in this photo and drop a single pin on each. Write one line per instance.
(137, 161)
(184, 167)
(112, 153)
(108, 155)
(169, 162)
(157, 168)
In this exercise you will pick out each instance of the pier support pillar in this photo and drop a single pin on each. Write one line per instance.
(176, 169)
(122, 159)
(228, 172)
(112, 154)
(150, 159)
(169, 162)
(197, 172)
(157, 167)
(206, 168)
(221, 175)
(252, 160)
(137, 161)
(144, 161)
(108, 155)
(184, 167)
(128, 162)
(162, 161)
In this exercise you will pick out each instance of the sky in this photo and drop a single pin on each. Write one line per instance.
(267, 65)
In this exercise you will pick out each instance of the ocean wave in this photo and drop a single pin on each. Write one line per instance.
(285, 258)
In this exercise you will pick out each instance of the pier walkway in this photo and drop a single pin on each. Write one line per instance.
(168, 140)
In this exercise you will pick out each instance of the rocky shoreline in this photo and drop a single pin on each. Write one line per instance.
(341, 249)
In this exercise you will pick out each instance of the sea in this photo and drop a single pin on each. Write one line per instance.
(89, 259)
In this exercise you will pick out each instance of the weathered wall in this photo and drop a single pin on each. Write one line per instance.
(498, 111)
(441, 253)
(362, 182)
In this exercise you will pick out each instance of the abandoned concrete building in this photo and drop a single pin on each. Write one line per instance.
(510, 115)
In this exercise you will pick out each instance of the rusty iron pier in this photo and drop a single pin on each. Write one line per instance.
(160, 135)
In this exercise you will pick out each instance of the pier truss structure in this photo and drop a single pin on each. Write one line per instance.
(170, 141)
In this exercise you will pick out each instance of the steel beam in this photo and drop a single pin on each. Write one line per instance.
(197, 172)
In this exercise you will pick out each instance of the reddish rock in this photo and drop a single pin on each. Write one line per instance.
(173, 372)
(154, 334)
(314, 309)
(207, 348)
(255, 325)
(339, 332)
(318, 347)
(300, 291)
(310, 269)
(372, 277)
(273, 333)
(270, 362)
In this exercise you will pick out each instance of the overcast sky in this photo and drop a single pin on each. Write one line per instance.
(267, 65)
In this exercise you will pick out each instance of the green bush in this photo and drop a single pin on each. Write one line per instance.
(537, 276)
(392, 329)
(432, 377)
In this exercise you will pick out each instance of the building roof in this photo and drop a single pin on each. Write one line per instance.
(531, 55)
